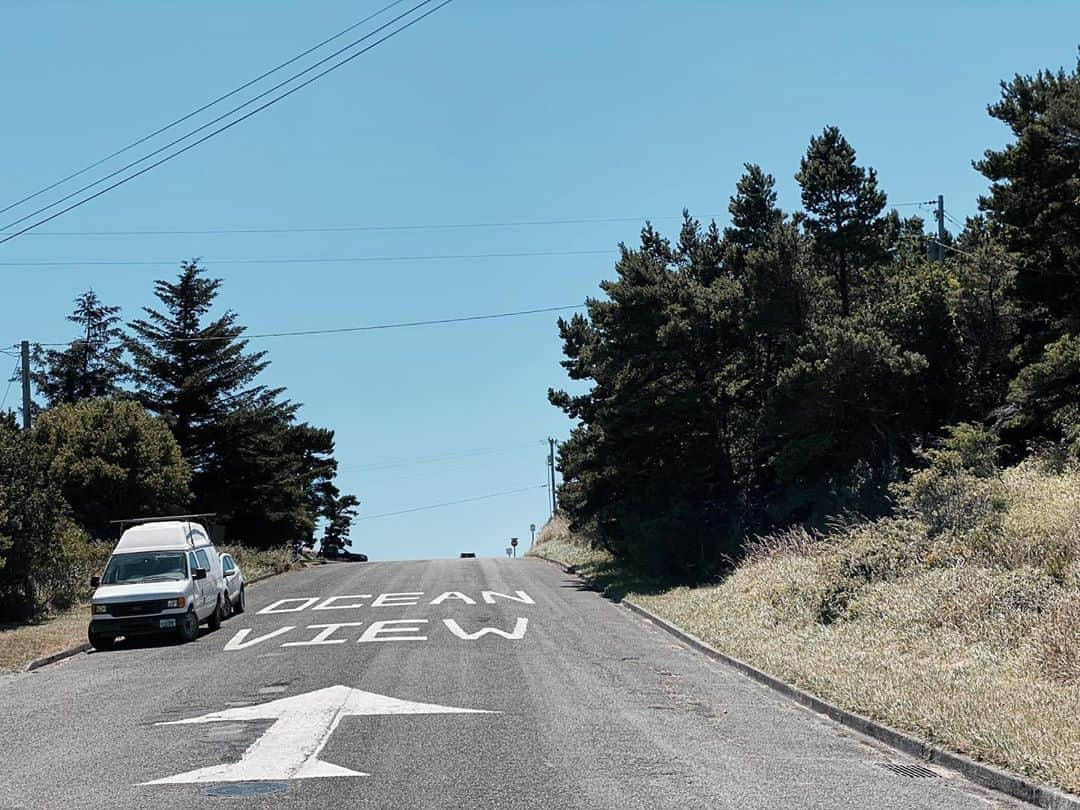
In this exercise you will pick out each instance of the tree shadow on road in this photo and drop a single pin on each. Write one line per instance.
(615, 580)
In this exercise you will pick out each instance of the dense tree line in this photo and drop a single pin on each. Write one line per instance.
(790, 367)
(162, 417)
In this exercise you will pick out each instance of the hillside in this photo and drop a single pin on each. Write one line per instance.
(958, 619)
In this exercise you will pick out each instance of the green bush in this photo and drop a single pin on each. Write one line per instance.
(112, 459)
(33, 520)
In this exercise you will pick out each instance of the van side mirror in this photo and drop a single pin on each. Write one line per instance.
(95, 581)
(200, 573)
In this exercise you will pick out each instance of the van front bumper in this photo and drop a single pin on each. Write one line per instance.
(136, 625)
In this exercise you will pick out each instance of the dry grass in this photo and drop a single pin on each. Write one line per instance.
(968, 637)
(556, 542)
(21, 643)
(258, 562)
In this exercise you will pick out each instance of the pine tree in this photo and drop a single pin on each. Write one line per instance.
(193, 374)
(753, 209)
(1034, 212)
(843, 207)
(91, 365)
(339, 514)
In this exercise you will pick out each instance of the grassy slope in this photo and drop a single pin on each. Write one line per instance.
(968, 637)
(20, 643)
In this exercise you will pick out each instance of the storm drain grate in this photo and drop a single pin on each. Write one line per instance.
(910, 771)
(248, 789)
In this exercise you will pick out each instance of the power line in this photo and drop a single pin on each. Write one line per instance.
(976, 256)
(233, 123)
(354, 228)
(203, 108)
(452, 503)
(954, 220)
(348, 329)
(453, 456)
(211, 122)
(310, 260)
(11, 381)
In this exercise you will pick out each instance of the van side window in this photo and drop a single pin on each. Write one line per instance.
(204, 561)
(192, 564)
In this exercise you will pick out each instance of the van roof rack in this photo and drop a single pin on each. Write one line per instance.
(161, 519)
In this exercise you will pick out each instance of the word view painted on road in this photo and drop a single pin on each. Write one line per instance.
(381, 630)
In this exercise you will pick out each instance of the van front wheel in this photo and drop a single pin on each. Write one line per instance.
(189, 627)
(100, 642)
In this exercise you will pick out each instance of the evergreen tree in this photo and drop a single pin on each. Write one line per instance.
(843, 207)
(1034, 212)
(91, 365)
(754, 214)
(193, 374)
(650, 467)
(264, 474)
(1033, 204)
(339, 514)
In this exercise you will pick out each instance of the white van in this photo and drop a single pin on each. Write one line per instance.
(164, 576)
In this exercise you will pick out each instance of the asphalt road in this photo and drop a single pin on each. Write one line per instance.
(582, 705)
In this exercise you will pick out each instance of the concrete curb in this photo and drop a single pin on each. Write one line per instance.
(982, 774)
(52, 658)
(37, 663)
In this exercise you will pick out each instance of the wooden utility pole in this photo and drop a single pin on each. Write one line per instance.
(25, 352)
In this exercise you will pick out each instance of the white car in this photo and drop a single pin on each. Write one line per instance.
(233, 601)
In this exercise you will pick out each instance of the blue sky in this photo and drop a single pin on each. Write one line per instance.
(486, 112)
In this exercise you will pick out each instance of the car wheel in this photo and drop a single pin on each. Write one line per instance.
(241, 602)
(214, 622)
(226, 606)
(189, 627)
(100, 642)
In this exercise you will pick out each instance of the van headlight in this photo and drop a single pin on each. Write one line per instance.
(178, 602)
(96, 609)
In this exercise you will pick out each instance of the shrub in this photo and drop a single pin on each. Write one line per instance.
(112, 459)
(33, 519)
(67, 582)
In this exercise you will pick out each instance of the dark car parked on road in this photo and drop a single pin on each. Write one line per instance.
(343, 555)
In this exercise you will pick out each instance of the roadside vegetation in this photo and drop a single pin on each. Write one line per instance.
(957, 618)
(845, 447)
(62, 628)
(163, 416)
(786, 369)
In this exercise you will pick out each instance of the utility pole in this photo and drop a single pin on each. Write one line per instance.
(551, 474)
(941, 228)
(25, 352)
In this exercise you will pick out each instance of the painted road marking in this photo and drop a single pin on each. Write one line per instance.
(238, 642)
(290, 748)
(384, 630)
(297, 604)
(323, 636)
(514, 635)
(381, 631)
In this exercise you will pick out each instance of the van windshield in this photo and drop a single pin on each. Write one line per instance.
(152, 566)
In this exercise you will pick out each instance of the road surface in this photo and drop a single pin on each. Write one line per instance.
(377, 686)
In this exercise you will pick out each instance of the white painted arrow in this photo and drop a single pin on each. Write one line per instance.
(290, 748)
